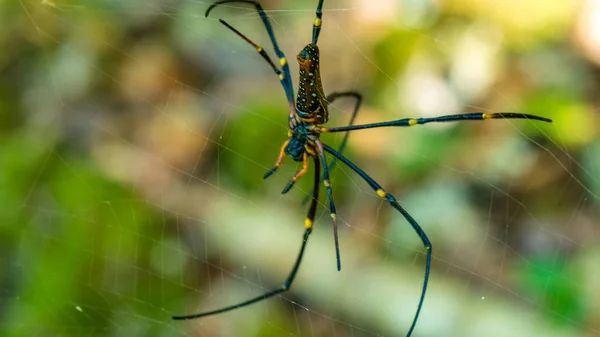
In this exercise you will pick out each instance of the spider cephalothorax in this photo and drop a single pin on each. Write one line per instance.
(299, 142)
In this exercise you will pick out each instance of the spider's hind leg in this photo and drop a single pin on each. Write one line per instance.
(413, 223)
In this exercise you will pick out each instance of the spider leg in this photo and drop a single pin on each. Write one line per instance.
(317, 24)
(284, 74)
(279, 160)
(332, 211)
(392, 200)
(446, 118)
(298, 175)
(258, 48)
(308, 223)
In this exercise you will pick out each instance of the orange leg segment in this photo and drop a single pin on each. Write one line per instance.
(298, 175)
(279, 160)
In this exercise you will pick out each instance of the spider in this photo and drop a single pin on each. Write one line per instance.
(308, 112)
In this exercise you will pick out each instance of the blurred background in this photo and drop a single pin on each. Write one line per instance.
(134, 136)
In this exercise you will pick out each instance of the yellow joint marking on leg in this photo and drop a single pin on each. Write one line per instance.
(412, 122)
(485, 116)
(308, 223)
(281, 77)
(326, 183)
(259, 49)
(282, 61)
(318, 22)
(381, 193)
(322, 129)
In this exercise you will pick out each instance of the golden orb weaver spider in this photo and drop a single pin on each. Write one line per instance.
(307, 115)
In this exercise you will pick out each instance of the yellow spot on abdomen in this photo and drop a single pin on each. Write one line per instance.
(326, 183)
(281, 77)
(282, 61)
(259, 49)
(333, 216)
(485, 116)
(308, 223)
(381, 193)
(412, 122)
(317, 22)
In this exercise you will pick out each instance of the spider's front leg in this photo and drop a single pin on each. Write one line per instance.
(279, 160)
(300, 149)
(298, 175)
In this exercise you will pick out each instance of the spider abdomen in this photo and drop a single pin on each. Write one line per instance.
(311, 105)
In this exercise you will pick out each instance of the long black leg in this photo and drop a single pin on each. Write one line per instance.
(308, 223)
(284, 74)
(390, 198)
(258, 48)
(318, 22)
(447, 118)
(332, 211)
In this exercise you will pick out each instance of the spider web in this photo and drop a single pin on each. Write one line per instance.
(137, 134)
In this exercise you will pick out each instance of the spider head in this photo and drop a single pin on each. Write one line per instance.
(298, 140)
